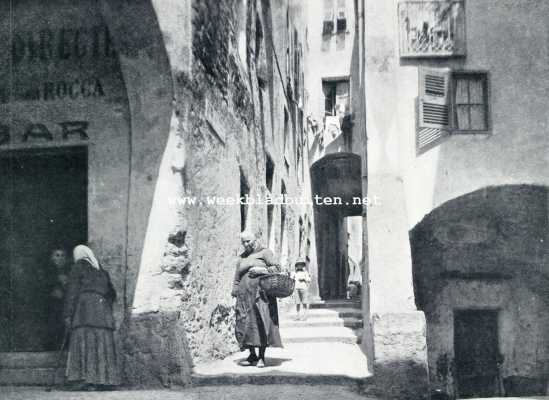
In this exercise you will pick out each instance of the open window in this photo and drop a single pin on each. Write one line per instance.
(449, 103)
(336, 96)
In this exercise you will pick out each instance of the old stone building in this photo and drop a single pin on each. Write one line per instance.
(137, 127)
(458, 152)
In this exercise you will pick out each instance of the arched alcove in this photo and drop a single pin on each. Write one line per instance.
(481, 276)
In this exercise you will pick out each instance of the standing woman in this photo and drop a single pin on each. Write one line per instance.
(92, 361)
(256, 312)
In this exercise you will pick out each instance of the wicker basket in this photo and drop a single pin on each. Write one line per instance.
(277, 285)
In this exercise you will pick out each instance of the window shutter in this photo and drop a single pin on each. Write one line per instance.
(434, 122)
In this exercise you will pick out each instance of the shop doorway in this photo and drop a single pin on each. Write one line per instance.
(43, 206)
(476, 353)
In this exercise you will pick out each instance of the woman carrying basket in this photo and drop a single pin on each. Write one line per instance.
(256, 312)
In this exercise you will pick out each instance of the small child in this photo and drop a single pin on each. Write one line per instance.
(302, 281)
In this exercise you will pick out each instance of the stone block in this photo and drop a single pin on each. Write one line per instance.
(159, 354)
(400, 355)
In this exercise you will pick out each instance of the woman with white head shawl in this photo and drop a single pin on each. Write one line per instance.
(256, 313)
(92, 360)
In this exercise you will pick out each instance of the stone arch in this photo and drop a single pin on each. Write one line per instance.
(147, 47)
(155, 45)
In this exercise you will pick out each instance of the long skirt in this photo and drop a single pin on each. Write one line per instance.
(256, 316)
(92, 357)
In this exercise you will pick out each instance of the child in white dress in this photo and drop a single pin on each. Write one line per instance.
(302, 281)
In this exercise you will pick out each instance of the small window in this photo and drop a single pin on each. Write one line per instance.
(336, 96)
(470, 102)
(283, 234)
(328, 27)
(244, 194)
(270, 235)
(269, 173)
(328, 24)
(341, 23)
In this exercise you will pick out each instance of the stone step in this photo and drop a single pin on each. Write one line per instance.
(335, 304)
(323, 322)
(32, 376)
(319, 335)
(338, 312)
(46, 359)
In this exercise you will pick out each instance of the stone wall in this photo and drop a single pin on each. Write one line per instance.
(228, 115)
(184, 99)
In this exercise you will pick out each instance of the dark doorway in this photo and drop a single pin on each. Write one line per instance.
(476, 353)
(43, 206)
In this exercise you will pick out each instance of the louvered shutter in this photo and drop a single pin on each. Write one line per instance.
(434, 122)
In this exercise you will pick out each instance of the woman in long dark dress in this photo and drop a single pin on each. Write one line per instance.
(256, 312)
(58, 273)
(92, 361)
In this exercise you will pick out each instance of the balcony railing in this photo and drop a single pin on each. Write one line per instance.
(431, 28)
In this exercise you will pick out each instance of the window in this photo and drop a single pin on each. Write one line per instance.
(470, 111)
(260, 53)
(328, 23)
(269, 176)
(337, 13)
(341, 23)
(244, 193)
(283, 234)
(269, 173)
(301, 236)
(450, 102)
(336, 96)
(270, 235)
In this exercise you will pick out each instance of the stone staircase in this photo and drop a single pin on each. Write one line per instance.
(337, 321)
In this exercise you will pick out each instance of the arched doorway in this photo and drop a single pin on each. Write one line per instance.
(337, 188)
(481, 277)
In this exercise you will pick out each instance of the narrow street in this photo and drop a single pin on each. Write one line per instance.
(324, 348)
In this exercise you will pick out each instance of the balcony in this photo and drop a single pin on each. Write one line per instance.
(431, 28)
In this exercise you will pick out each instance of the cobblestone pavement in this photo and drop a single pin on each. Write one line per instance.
(244, 392)
(307, 359)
